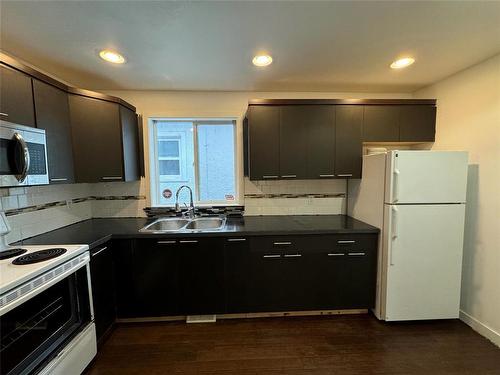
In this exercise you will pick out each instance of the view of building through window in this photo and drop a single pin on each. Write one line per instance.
(199, 154)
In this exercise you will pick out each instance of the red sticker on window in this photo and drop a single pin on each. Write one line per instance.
(167, 193)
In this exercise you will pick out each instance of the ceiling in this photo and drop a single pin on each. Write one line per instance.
(188, 45)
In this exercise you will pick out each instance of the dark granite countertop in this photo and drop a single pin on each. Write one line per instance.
(97, 231)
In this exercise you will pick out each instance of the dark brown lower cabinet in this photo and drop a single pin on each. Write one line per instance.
(103, 288)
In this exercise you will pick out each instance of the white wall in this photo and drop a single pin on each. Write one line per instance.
(468, 118)
(234, 105)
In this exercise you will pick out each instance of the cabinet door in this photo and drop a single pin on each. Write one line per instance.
(265, 287)
(381, 123)
(321, 142)
(131, 149)
(293, 141)
(348, 143)
(97, 143)
(417, 123)
(16, 104)
(202, 276)
(264, 141)
(52, 114)
(123, 257)
(236, 274)
(156, 290)
(103, 289)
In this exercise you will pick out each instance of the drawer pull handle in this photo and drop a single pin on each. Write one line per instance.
(293, 255)
(272, 256)
(326, 175)
(336, 254)
(269, 176)
(236, 239)
(100, 251)
(58, 179)
(166, 242)
(188, 241)
(345, 241)
(282, 243)
(345, 175)
(289, 176)
(356, 254)
(112, 177)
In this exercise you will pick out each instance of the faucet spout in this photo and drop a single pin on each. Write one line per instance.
(191, 212)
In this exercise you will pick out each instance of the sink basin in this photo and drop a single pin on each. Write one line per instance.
(206, 223)
(173, 224)
(176, 224)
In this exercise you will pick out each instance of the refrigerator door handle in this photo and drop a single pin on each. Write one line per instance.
(395, 185)
(394, 233)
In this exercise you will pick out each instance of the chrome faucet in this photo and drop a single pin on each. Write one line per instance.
(190, 212)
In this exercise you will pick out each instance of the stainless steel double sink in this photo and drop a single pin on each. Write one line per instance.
(177, 224)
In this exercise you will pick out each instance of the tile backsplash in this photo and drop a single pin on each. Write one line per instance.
(39, 209)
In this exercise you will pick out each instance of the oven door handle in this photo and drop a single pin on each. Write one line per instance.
(26, 156)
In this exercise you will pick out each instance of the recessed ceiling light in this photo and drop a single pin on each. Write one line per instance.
(402, 63)
(111, 56)
(262, 60)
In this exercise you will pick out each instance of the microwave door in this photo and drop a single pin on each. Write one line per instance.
(14, 160)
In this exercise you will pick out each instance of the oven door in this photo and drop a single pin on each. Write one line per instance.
(35, 331)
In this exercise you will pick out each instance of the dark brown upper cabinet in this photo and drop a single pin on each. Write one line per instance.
(348, 142)
(131, 148)
(381, 123)
(52, 114)
(102, 136)
(16, 97)
(294, 123)
(417, 123)
(321, 144)
(264, 142)
(399, 123)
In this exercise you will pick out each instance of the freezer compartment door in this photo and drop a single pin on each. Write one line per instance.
(426, 177)
(423, 246)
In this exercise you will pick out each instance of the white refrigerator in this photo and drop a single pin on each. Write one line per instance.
(417, 199)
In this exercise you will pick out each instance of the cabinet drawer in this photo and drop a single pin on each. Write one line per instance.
(274, 244)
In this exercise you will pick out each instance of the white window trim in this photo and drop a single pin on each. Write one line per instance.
(154, 166)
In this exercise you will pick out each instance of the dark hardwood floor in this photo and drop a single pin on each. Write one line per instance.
(355, 344)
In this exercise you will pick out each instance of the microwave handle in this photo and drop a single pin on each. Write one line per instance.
(26, 156)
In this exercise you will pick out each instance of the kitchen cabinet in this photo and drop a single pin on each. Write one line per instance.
(16, 104)
(381, 123)
(201, 271)
(236, 274)
(105, 140)
(293, 137)
(103, 289)
(417, 123)
(156, 277)
(264, 142)
(52, 114)
(123, 255)
(348, 142)
(321, 145)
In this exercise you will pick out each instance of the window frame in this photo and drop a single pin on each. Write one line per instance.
(155, 177)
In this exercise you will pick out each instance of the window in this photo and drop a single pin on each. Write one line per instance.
(196, 153)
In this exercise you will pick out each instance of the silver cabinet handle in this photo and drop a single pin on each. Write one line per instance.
(292, 255)
(236, 239)
(188, 241)
(326, 175)
(272, 256)
(289, 176)
(4, 114)
(112, 178)
(345, 175)
(269, 176)
(100, 251)
(345, 241)
(286, 243)
(336, 254)
(58, 179)
(356, 254)
(166, 242)
(26, 156)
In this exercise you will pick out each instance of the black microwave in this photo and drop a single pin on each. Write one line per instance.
(23, 155)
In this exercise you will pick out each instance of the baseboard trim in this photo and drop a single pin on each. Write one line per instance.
(480, 328)
(248, 315)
